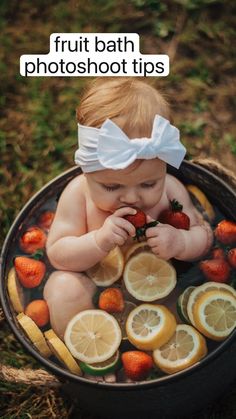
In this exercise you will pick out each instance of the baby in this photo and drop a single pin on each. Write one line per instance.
(126, 141)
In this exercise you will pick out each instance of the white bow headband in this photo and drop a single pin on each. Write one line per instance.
(108, 147)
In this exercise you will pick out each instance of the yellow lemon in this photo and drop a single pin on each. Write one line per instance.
(215, 314)
(15, 291)
(136, 248)
(149, 326)
(202, 289)
(149, 278)
(93, 336)
(60, 350)
(186, 347)
(203, 201)
(34, 334)
(109, 270)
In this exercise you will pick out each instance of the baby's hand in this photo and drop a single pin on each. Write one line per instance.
(115, 230)
(165, 241)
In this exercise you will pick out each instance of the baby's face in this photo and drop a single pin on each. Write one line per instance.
(139, 185)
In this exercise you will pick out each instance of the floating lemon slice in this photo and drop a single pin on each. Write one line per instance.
(34, 334)
(203, 201)
(186, 347)
(149, 278)
(181, 304)
(215, 314)
(93, 336)
(102, 368)
(60, 350)
(202, 289)
(15, 291)
(149, 326)
(136, 249)
(109, 270)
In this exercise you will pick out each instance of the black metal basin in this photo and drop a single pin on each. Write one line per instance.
(177, 395)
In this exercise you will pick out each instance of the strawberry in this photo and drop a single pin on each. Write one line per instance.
(138, 220)
(111, 300)
(231, 256)
(217, 270)
(33, 239)
(137, 364)
(225, 232)
(46, 219)
(174, 216)
(217, 253)
(30, 272)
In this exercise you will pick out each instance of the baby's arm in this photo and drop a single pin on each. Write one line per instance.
(198, 239)
(69, 245)
(182, 244)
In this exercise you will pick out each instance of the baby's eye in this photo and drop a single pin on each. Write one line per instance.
(148, 185)
(110, 187)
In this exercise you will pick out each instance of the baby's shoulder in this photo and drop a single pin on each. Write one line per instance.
(174, 188)
(75, 189)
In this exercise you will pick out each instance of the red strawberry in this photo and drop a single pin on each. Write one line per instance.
(217, 253)
(217, 270)
(174, 216)
(111, 300)
(231, 256)
(30, 272)
(33, 239)
(138, 220)
(137, 364)
(225, 232)
(46, 219)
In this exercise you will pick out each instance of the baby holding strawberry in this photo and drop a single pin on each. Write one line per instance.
(125, 143)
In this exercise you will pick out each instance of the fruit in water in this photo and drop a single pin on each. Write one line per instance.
(217, 270)
(231, 257)
(33, 239)
(111, 300)
(137, 364)
(30, 272)
(175, 216)
(225, 232)
(38, 311)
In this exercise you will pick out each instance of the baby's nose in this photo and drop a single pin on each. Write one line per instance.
(129, 198)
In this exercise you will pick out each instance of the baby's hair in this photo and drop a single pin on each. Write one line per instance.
(129, 102)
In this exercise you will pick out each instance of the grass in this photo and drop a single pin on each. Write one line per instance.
(38, 127)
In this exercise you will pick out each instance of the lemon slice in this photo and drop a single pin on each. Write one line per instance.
(149, 278)
(207, 286)
(136, 249)
(15, 291)
(109, 270)
(102, 368)
(186, 347)
(182, 304)
(215, 314)
(93, 336)
(149, 326)
(34, 334)
(61, 352)
(203, 201)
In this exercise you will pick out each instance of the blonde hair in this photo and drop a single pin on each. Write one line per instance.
(129, 102)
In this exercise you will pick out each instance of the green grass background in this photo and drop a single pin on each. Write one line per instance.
(38, 132)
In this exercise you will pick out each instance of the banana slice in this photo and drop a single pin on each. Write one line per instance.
(60, 350)
(34, 334)
(202, 201)
(15, 291)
